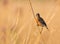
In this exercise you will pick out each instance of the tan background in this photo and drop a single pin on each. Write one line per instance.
(17, 24)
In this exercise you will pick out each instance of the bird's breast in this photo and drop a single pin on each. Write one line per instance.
(39, 23)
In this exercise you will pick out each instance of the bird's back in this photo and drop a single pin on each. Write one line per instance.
(42, 21)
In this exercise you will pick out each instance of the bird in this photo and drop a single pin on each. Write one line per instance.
(40, 21)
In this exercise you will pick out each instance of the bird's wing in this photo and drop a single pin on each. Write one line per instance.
(42, 21)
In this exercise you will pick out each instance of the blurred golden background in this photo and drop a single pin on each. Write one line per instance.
(17, 24)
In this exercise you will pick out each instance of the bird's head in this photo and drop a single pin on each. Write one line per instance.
(38, 15)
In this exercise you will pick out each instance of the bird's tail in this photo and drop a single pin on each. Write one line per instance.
(46, 27)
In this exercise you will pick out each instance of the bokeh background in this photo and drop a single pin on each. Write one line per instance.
(17, 24)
